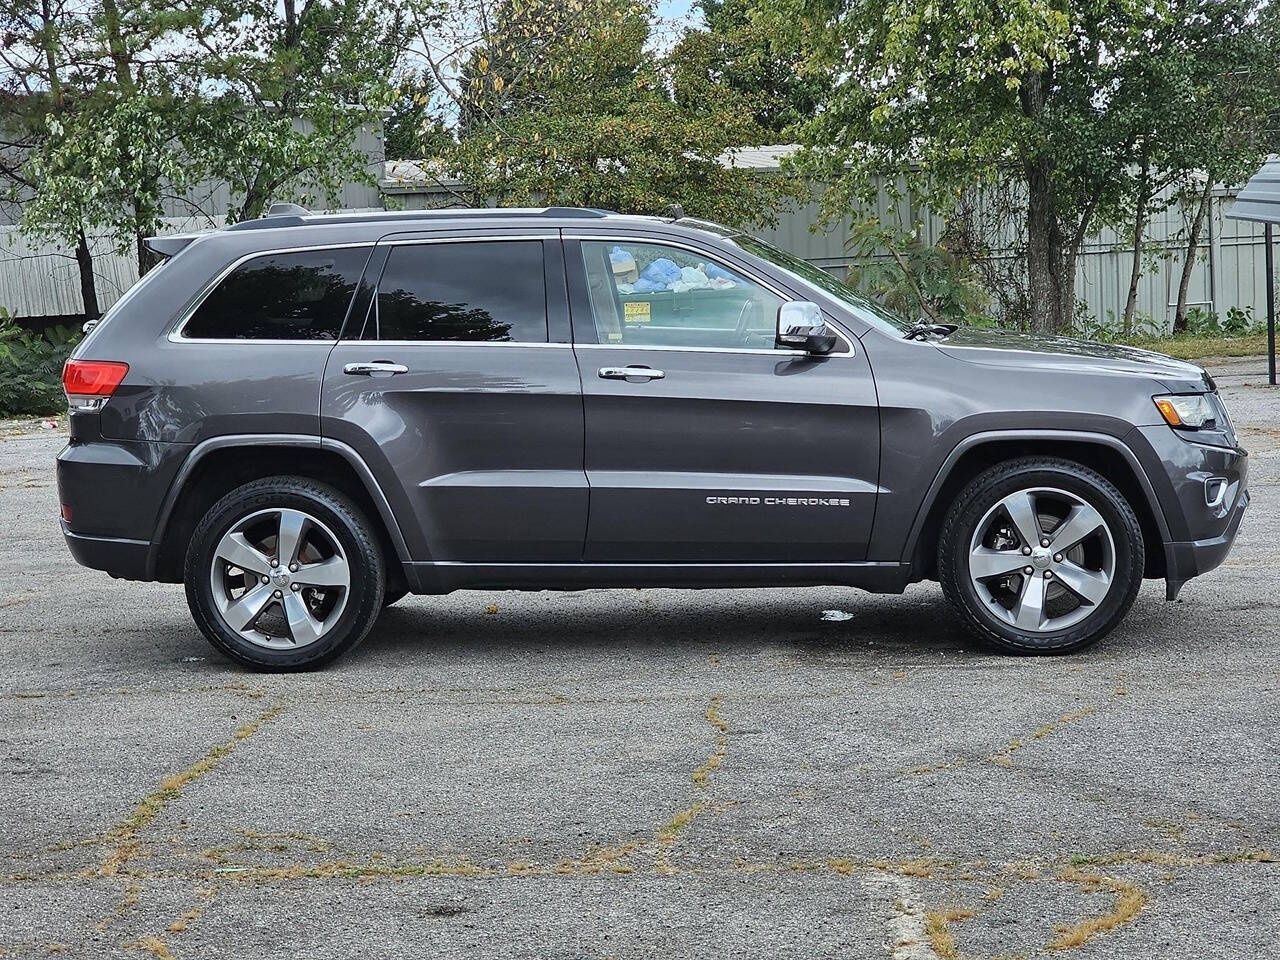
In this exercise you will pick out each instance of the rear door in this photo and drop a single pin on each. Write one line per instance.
(456, 382)
(705, 443)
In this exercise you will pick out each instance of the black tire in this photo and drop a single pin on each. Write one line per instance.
(358, 539)
(987, 490)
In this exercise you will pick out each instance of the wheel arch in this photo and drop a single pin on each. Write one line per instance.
(1107, 454)
(220, 464)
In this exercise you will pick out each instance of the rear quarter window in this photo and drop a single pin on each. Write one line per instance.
(281, 296)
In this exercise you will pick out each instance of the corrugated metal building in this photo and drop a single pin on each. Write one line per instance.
(38, 280)
(1229, 271)
(42, 279)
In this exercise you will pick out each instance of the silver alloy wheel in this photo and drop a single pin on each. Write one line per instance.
(280, 578)
(1042, 559)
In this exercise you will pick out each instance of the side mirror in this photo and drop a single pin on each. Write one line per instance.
(801, 326)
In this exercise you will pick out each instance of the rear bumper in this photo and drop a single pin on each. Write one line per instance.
(112, 491)
(122, 558)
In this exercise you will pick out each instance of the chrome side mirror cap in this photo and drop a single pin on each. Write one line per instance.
(801, 326)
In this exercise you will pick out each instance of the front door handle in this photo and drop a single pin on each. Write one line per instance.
(375, 368)
(630, 373)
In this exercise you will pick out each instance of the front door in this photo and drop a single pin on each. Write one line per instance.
(705, 443)
(457, 385)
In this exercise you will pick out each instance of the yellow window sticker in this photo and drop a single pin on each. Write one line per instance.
(637, 311)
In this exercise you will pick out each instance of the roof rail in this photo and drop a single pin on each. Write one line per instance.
(593, 212)
(292, 215)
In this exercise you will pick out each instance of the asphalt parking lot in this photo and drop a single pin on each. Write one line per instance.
(640, 773)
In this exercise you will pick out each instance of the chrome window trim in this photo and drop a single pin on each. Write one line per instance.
(606, 237)
(177, 339)
(176, 331)
(451, 343)
(761, 351)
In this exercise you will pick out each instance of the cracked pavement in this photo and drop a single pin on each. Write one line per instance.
(635, 773)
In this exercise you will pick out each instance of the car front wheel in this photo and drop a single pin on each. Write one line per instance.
(1040, 555)
(284, 574)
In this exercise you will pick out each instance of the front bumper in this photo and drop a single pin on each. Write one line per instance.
(1201, 526)
(1186, 559)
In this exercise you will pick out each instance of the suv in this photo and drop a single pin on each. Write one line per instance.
(303, 418)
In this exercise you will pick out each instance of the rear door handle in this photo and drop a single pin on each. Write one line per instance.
(375, 368)
(630, 373)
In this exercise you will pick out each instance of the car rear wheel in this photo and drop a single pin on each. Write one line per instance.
(284, 574)
(1041, 555)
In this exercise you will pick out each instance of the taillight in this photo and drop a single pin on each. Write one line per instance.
(88, 383)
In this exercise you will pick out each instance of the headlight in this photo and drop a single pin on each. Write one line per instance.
(1187, 411)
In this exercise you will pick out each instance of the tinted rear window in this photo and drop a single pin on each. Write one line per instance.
(477, 291)
(281, 296)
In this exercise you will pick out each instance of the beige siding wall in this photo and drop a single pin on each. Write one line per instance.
(1229, 268)
(41, 280)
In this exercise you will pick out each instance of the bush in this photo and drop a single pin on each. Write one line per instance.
(1200, 324)
(31, 368)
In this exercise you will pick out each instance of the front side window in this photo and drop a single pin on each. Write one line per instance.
(492, 290)
(649, 294)
(281, 296)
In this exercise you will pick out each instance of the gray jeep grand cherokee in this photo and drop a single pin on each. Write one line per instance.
(304, 418)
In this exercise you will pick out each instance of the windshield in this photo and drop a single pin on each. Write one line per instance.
(811, 276)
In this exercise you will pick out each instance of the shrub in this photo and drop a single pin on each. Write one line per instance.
(1240, 322)
(31, 368)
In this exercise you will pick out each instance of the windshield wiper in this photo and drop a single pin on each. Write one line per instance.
(928, 331)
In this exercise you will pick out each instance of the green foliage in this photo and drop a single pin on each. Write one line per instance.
(1201, 324)
(102, 169)
(737, 53)
(1110, 328)
(1046, 103)
(913, 278)
(116, 118)
(415, 130)
(147, 100)
(31, 368)
(284, 89)
(1239, 322)
(565, 102)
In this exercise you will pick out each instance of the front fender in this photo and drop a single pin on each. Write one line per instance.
(1031, 435)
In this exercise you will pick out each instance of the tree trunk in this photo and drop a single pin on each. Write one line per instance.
(48, 38)
(88, 283)
(255, 201)
(144, 224)
(1189, 264)
(117, 48)
(1050, 258)
(1139, 229)
(146, 258)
